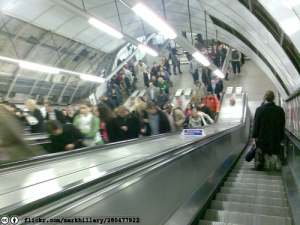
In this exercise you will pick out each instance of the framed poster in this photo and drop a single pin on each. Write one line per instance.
(93, 99)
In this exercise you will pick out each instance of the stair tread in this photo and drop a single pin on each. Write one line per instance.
(254, 181)
(244, 218)
(248, 171)
(253, 192)
(205, 222)
(250, 208)
(255, 176)
(281, 202)
(254, 186)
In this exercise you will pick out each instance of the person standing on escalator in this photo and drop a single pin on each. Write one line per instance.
(268, 130)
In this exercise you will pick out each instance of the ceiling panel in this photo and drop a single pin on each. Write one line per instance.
(111, 46)
(89, 34)
(53, 18)
(105, 11)
(29, 9)
(286, 17)
(91, 4)
(73, 27)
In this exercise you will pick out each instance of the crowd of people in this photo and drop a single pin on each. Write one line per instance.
(109, 121)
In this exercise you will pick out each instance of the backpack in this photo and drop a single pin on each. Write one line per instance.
(235, 55)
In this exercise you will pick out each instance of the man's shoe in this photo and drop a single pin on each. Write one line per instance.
(180, 72)
(175, 73)
(226, 78)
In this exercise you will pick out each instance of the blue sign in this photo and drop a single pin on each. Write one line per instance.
(193, 132)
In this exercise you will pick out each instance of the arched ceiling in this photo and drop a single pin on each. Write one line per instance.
(40, 24)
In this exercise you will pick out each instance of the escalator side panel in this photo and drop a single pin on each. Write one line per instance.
(156, 196)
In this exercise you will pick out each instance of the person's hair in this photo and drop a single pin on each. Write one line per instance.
(50, 103)
(197, 82)
(199, 102)
(213, 79)
(124, 67)
(142, 98)
(140, 61)
(190, 105)
(150, 105)
(140, 106)
(150, 83)
(85, 102)
(154, 77)
(200, 67)
(160, 80)
(121, 109)
(105, 113)
(269, 96)
(161, 91)
(164, 57)
(148, 68)
(162, 68)
(154, 63)
(31, 102)
(52, 125)
(209, 93)
(64, 110)
(195, 98)
(195, 111)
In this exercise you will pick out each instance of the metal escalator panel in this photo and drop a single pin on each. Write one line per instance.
(249, 197)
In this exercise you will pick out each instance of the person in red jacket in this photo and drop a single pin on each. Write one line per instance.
(213, 103)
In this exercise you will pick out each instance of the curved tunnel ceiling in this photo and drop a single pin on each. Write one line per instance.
(45, 14)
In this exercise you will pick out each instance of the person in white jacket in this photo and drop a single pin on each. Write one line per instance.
(141, 68)
(197, 118)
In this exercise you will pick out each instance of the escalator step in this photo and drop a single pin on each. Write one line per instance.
(205, 222)
(255, 181)
(262, 187)
(255, 172)
(251, 192)
(245, 218)
(255, 176)
(250, 208)
(257, 200)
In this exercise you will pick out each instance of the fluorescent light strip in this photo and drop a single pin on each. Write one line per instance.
(148, 50)
(104, 27)
(154, 20)
(37, 67)
(219, 73)
(92, 78)
(202, 59)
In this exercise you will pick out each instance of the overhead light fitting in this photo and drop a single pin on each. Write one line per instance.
(37, 67)
(92, 78)
(219, 73)
(104, 27)
(154, 20)
(200, 58)
(148, 50)
(291, 26)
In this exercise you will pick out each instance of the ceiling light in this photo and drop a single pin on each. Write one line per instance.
(154, 20)
(202, 59)
(92, 78)
(104, 27)
(37, 67)
(290, 26)
(219, 73)
(148, 50)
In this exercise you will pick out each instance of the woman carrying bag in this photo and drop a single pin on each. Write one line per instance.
(88, 124)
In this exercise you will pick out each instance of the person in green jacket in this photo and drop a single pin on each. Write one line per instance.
(163, 85)
(88, 124)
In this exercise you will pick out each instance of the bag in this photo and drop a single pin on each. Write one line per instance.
(235, 55)
(186, 122)
(251, 154)
(167, 77)
(259, 159)
(170, 83)
(31, 120)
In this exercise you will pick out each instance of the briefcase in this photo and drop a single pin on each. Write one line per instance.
(251, 154)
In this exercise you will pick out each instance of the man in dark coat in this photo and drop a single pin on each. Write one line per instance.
(64, 137)
(147, 77)
(154, 70)
(201, 76)
(129, 125)
(156, 120)
(53, 114)
(126, 84)
(268, 131)
(108, 101)
(215, 88)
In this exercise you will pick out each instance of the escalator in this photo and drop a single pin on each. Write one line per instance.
(167, 179)
(249, 197)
